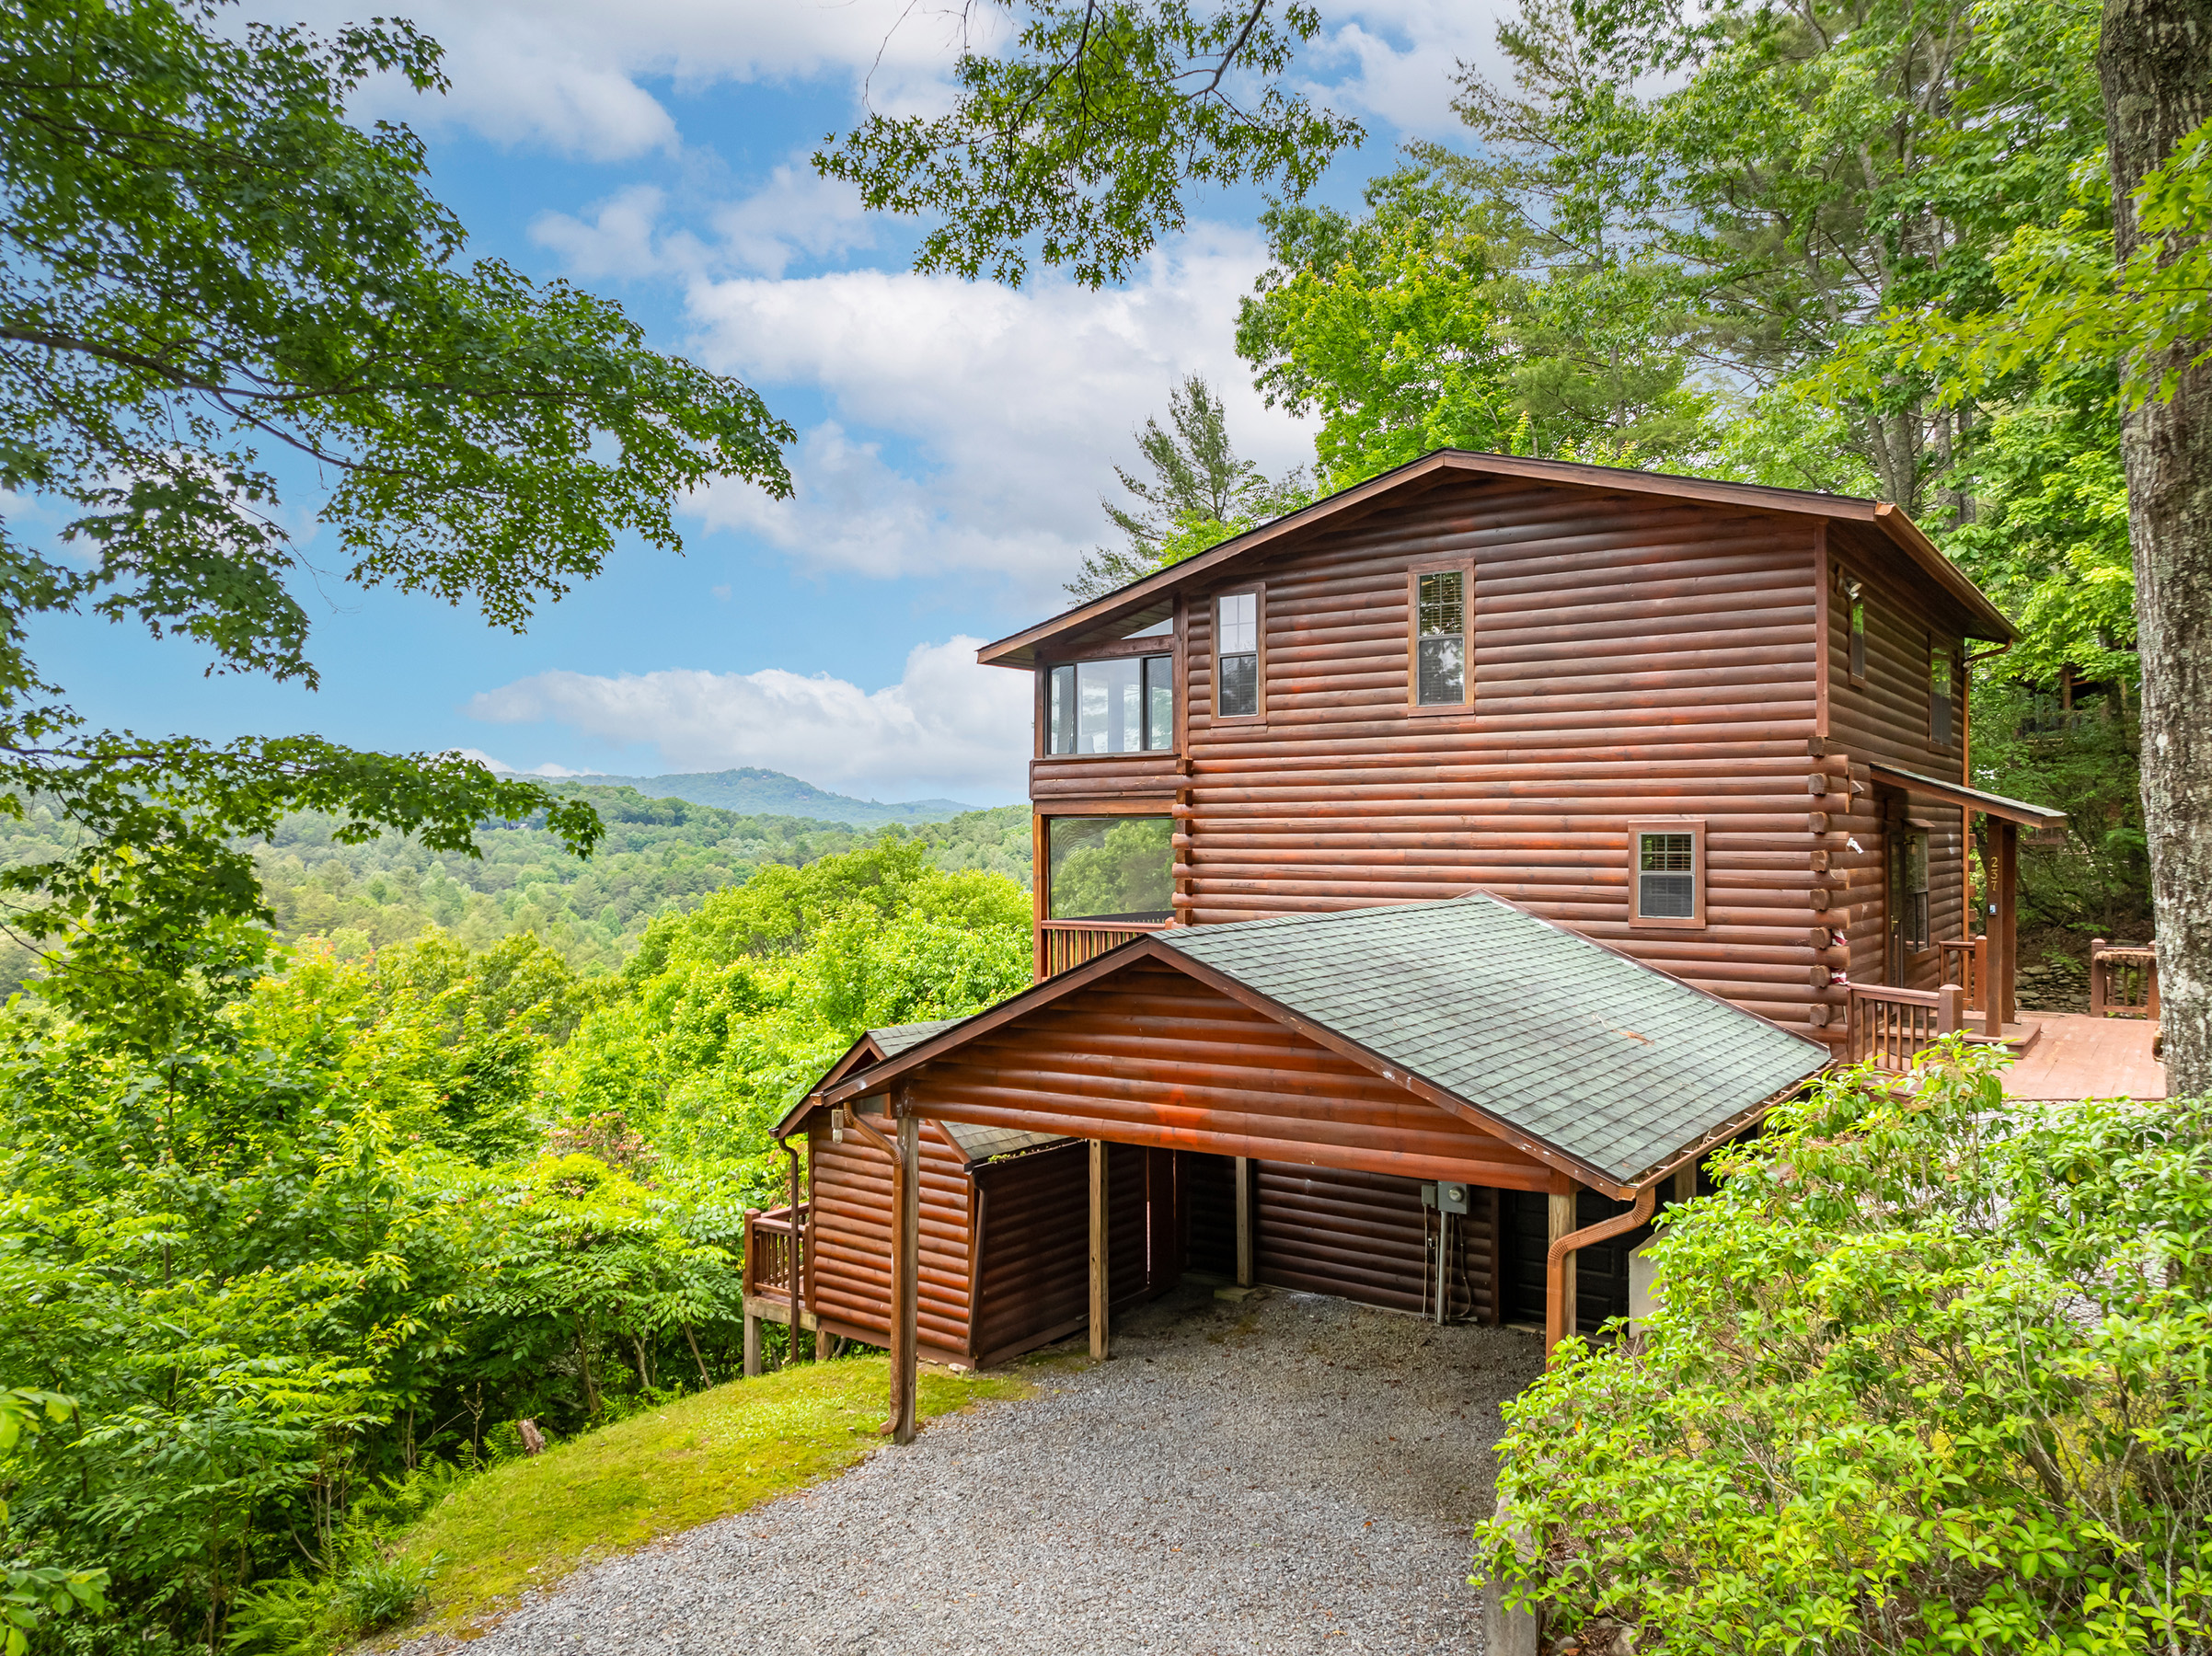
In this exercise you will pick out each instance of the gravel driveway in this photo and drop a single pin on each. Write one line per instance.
(1269, 1476)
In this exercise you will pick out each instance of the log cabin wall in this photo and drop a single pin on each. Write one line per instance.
(1632, 657)
(849, 1241)
(1887, 714)
(1153, 1057)
(1033, 1263)
(1363, 1236)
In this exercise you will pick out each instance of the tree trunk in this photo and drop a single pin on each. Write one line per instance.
(2155, 63)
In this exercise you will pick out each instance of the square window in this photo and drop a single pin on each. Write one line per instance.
(1666, 872)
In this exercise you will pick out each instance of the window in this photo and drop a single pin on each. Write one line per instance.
(1908, 881)
(1117, 868)
(1125, 705)
(1941, 671)
(1237, 655)
(1854, 598)
(1439, 642)
(1666, 872)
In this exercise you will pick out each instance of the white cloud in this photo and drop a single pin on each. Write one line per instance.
(948, 727)
(1397, 60)
(551, 772)
(793, 212)
(1014, 401)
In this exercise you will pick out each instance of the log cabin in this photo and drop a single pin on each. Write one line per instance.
(1715, 733)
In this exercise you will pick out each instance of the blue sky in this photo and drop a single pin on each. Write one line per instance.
(954, 437)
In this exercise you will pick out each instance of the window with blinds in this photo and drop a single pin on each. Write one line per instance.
(1440, 637)
(1237, 655)
(1666, 872)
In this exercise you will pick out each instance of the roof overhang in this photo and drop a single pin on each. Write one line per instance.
(1141, 600)
(847, 1085)
(1972, 798)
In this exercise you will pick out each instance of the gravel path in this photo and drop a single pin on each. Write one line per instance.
(1272, 1476)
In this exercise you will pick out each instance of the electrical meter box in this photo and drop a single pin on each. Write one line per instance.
(1447, 1198)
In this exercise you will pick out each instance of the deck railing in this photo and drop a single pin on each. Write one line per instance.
(1063, 945)
(1888, 1026)
(772, 1251)
(1963, 959)
(2123, 980)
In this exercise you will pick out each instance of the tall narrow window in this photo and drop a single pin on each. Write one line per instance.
(1237, 656)
(1854, 596)
(1942, 669)
(1666, 872)
(1440, 637)
(1125, 706)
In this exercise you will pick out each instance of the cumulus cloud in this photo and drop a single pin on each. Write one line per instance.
(971, 423)
(551, 772)
(948, 727)
(623, 237)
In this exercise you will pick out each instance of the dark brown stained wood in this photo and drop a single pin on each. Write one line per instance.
(1149, 1056)
(850, 1277)
(1365, 1236)
(1033, 1273)
(1086, 775)
(1209, 1190)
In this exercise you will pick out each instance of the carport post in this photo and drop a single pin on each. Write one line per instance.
(1097, 1251)
(906, 1271)
(1244, 1222)
(1563, 1221)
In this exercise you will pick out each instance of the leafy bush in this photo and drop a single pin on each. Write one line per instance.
(1934, 1372)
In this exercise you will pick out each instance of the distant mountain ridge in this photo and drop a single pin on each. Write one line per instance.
(758, 793)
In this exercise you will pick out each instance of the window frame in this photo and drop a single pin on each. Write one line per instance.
(1258, 715)
(1438, 566)
(1095, 811)
(1693, 826)
(1947, 738)
(1856, 639)
(1172, 655)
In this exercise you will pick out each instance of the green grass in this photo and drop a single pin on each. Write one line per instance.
(527, 1522)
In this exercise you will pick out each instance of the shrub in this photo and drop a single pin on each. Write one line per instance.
(1934, 1372)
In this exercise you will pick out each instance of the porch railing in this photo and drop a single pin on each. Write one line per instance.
(1063, 945)
(774, 1247)
(1888, 1026)
(1963, 959)
(2123, 980)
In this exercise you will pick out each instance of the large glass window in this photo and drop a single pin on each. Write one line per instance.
(1125, 705)
(1110, 869)
(1237, 656)
(1440, 639)
(1940, 670)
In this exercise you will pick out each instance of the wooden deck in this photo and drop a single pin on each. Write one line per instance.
(2080, 1057)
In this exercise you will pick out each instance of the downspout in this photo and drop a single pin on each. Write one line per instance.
(791, 1327)
(1966, 781)
(1555, 1260)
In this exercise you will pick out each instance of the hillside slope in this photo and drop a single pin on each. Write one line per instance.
(753, 791)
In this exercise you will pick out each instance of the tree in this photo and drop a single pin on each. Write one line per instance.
(2154, 60)
(1199, 495)
(1086, 133)
(210, 275)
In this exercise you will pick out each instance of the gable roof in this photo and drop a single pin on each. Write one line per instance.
(1598, 1063)
(974, 1144)
(1146, 599)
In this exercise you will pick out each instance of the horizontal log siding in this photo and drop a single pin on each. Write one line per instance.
(1153, 1057)
(1632, 659)
(1033, 1281)
(1886, 718)
(849, 1278)
(1360, 1236)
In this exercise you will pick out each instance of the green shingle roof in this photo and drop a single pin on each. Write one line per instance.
(1616, 1064)
(977, 1143)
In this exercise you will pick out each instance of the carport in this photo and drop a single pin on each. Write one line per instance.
(1464, 1044)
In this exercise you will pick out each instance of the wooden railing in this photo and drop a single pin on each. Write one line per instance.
(1889, 1027)
(1063, 945)
(772, 1251)
(2123, 980)
(1963, 959)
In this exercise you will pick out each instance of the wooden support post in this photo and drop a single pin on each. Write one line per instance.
(1563, 1221)
(1993, 987)
(1099, 1259)
(752, 1346)
(1686, 1181)
(2098, 992)
(2007, 947)
(907, 1269)
(1951, 1007)
(1244, 1222)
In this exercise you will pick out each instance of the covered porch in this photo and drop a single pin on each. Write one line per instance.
(1463, 1054)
